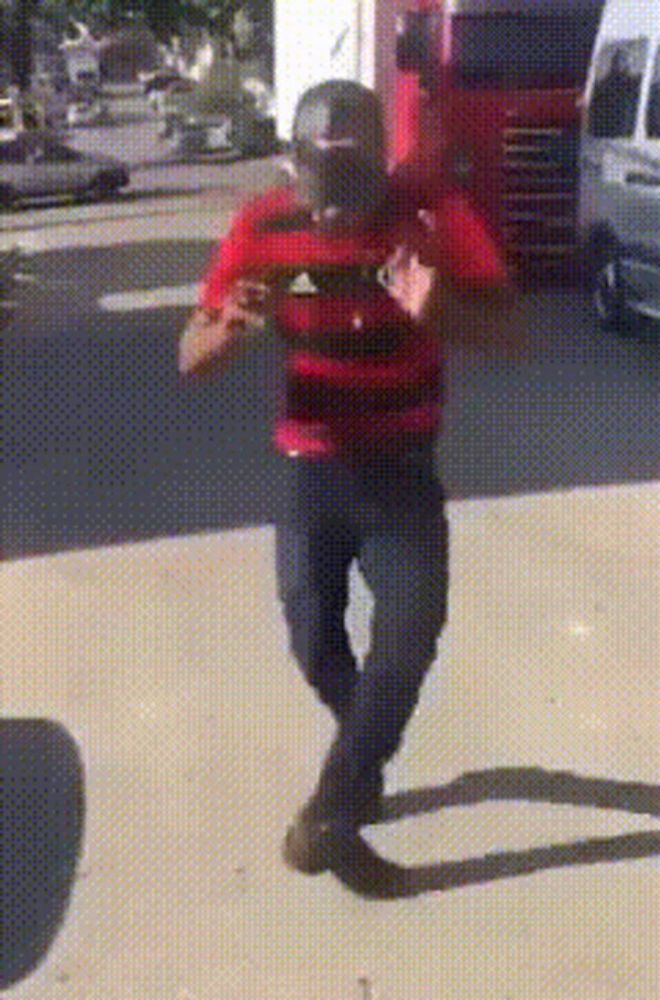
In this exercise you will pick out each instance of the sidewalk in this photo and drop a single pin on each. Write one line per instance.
(168, 662)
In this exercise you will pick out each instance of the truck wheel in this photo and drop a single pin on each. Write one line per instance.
(609, 294)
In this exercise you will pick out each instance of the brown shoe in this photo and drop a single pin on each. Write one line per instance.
(314, 846)
(317, 841)
(307, 845)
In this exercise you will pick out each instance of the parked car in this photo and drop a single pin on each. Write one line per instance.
(86, 107)
(619, 213)
(202, 121)
(158, 79)
(11, 268)
(88, 111)
(157, 89)
(36, 166)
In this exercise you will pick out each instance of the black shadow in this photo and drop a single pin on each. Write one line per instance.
(42, 813)
(365, 872)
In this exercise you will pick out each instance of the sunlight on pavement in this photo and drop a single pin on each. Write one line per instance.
(150, 298)
(168, 662)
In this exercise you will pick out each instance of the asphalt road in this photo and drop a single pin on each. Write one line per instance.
(101, 441)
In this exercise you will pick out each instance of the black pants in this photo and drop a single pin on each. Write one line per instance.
(389, 516)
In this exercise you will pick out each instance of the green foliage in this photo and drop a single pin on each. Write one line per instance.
(165, 18)
(158, 14)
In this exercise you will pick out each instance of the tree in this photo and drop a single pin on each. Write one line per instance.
(164, 17)
(20, 47)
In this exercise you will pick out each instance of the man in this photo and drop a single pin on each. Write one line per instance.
(346, 261)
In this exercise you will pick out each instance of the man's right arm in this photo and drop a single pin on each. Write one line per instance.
(231, 306)
(214, 336)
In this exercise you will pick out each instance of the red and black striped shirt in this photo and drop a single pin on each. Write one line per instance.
(361, 375)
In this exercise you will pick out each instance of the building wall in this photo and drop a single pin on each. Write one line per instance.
(314, 43)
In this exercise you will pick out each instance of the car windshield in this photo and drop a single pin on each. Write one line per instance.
(56, 153)
(521, 51)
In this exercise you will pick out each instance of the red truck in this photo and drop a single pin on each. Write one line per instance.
(489, 91)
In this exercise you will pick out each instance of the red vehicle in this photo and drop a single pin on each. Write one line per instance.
(489, 90)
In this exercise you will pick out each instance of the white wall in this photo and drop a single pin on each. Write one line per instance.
(317, 41)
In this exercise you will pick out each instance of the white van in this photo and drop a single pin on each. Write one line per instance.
(619, 211)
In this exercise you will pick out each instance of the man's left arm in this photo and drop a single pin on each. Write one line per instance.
(464, 291)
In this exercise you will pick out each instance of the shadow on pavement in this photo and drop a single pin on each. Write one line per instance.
(43, 805)
(365, 872)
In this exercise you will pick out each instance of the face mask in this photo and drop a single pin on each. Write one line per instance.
(340, 184)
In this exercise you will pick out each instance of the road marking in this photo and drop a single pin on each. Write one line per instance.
(150, 298)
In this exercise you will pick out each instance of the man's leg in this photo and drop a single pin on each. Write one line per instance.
(405, 564)
(313, 561)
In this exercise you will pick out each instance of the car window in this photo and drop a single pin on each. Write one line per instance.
(619, 73)
(653, 110)
(55, 153)
(12, 152)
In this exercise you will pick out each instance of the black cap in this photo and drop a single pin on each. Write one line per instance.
(339, 146)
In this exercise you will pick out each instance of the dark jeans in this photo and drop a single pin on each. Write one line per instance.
(389, 516)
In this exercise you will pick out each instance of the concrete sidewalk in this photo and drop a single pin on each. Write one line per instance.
(168, 662)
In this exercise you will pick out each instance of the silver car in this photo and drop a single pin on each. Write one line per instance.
(35, 166)
(620, 167)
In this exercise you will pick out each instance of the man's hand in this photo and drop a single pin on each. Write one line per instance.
(485, 319)
(212, 337)
(410, 282)
(249, 301)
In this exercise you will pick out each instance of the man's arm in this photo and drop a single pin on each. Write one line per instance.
(232, 306)
(458, 283)
(214, 336)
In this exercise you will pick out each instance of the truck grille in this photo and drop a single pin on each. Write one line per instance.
(539, 189)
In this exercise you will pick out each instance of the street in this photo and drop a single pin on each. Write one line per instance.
(103, 442)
